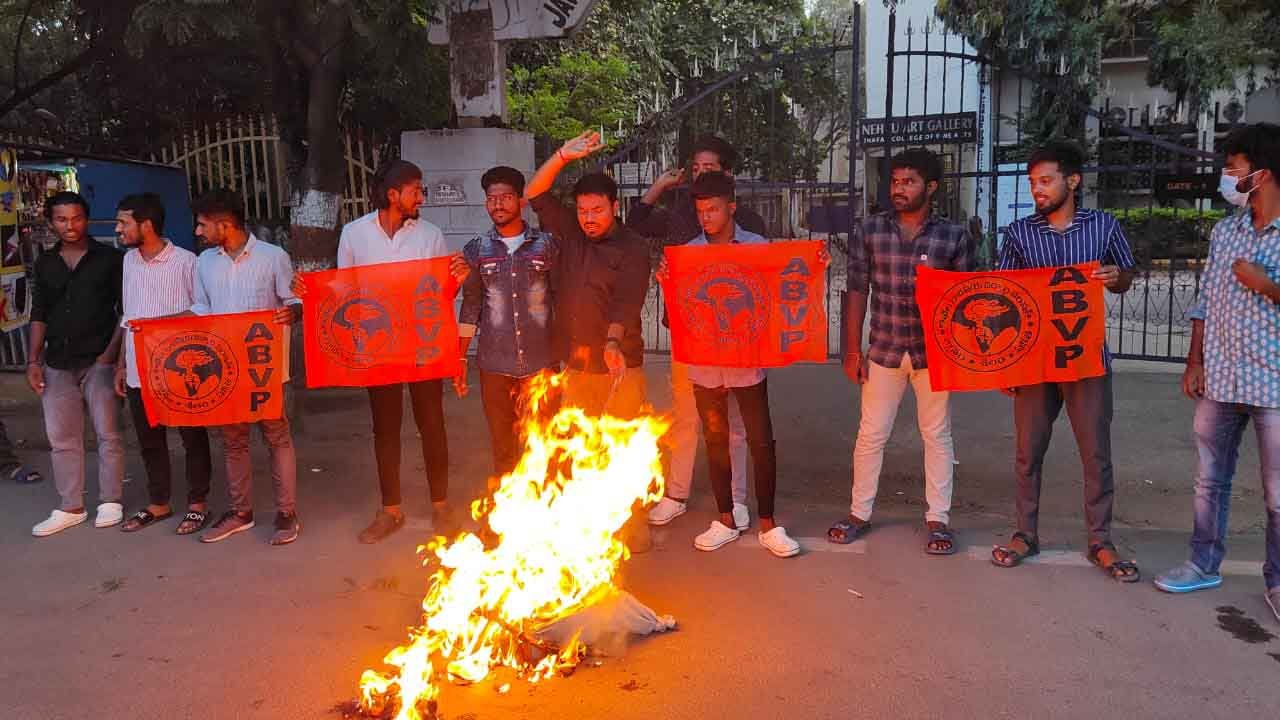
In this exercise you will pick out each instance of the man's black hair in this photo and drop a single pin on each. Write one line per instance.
(596, 183)
(713, 185)
(65, 197)
(503, 175)
(722, 149)
(393, 175)
(1260, 143)
(145, 207)
(1068, 156)
(220, 203)
(922, 161)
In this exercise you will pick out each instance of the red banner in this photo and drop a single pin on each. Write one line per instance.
(212, 369)
(380, 324)
(993, 330)
(758, 305)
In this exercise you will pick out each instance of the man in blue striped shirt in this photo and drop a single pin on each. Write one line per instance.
(1060, 234)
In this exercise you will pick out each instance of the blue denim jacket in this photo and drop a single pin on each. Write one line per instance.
(507, 300)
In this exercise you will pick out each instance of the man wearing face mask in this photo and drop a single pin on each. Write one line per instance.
(1060, 233)
(883, 253)
(1232, 372)
(677, 224)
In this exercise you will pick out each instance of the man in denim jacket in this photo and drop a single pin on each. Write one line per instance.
(507, 299)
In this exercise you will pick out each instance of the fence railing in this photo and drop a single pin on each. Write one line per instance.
(244, 153)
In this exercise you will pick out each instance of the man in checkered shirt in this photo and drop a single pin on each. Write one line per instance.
(884, 251)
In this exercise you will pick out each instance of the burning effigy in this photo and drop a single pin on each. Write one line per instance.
(532, 593)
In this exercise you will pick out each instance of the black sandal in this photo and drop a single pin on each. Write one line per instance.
(1125, 571)
(1021, 546)
(940, 535)
(141, 519)
(847, 530)
(193, 522)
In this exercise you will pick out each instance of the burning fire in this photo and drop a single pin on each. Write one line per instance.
(554, 519)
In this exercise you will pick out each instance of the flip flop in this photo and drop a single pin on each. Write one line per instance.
(846, 530)
(194, 521)
(142, 519)
(1021, 546)
(1125, 571)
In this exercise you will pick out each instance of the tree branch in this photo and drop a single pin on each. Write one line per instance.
(17, 45)
(70, 67)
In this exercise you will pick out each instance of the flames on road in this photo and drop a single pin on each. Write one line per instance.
(554, 550)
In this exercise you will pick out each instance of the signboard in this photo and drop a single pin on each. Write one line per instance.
(961, 127)
(632, 175)
(1194, 186)
(518, 19)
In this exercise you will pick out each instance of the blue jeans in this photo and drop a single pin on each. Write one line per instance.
(1218, 430)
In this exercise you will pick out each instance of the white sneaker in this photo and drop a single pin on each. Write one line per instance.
(716, 537)
(109, 514)
(741, 516)
(665, 511)
(779, 543)
(57, 522)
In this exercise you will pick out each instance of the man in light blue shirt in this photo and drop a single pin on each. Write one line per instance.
(1233, 367)
(713, 195)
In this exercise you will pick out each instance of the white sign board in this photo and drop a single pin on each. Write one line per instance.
(1013, 196)
(517, 19)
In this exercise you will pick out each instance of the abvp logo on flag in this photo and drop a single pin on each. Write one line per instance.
(357, 325)
(726, 302)
(196, 372)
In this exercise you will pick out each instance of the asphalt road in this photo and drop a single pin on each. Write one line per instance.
(97, 623)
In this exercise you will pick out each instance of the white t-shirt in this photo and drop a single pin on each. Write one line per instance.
(513, 243)
(364, 242)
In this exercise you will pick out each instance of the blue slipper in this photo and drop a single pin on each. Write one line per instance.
(1187, 578)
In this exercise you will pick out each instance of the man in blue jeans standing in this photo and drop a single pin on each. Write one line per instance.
(1232, 370)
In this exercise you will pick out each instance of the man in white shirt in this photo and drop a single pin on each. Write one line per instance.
(239, 273)
(395, 233)
(159, 280)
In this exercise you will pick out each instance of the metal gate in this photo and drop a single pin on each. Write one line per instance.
(1154, 169)
(786, 103)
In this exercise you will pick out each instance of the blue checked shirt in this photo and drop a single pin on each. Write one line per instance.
(1241, 327)
(880, 258)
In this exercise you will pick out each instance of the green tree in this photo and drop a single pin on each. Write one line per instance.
(572, 92)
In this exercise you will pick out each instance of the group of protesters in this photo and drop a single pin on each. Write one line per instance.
(566, 298)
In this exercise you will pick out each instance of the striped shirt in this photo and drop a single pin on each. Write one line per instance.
(714, 376)
(1092, 236)
(1242, 328)
(163, 285)
(364, 242)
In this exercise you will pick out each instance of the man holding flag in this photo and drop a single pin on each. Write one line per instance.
(240, 273)
(884, 252)
(507, 298)
(1057, 235)
(394, 232)
(159, 280)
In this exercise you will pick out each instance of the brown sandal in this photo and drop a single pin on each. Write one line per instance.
(1105, 556)
(1021, 546)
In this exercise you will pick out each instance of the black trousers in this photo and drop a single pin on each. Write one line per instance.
(387, 405)
(503, 397)
(154, 444)
(713, 410)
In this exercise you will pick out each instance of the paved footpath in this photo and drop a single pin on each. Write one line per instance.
(99, 623)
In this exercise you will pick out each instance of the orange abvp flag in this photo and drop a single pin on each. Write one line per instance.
(1009, 328)
(747, 305)
(380, 324)
(212, 369)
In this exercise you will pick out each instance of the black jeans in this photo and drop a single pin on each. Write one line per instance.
(387, 404)
(154, 445)
(503, 397)
(713, 410)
